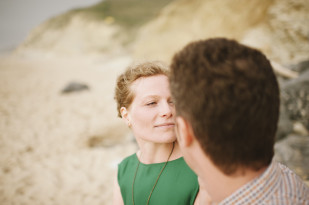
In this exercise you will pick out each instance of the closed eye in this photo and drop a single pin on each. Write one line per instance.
(151, 103)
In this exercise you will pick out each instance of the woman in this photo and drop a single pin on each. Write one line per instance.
(157, 173)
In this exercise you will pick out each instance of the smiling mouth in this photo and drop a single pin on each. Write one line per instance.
(165, 125)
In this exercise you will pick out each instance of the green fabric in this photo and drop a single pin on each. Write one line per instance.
(177, 184)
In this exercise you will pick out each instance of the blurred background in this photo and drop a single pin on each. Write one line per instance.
(60, 138)
(18, 19)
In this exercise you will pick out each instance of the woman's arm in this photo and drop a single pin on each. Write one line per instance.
(117, 198)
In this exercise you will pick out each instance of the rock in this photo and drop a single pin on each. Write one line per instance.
(74, 87)
(293, 151)
(278, 28)
(294, 109)
(300, 129)
(301, 67)
(285, 126)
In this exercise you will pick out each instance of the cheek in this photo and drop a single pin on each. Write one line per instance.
(142, 117)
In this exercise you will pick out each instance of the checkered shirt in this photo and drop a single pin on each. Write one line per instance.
(277, 185)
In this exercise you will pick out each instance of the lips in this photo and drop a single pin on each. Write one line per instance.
(165, 125)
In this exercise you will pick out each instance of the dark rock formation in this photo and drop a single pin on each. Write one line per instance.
(295, 103)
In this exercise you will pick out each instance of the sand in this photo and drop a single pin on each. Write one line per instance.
(60, 148)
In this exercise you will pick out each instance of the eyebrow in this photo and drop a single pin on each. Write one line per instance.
(144, 98)
(150, 96)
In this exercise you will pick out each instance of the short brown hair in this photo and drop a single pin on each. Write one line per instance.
(229, 94)
(123, 93)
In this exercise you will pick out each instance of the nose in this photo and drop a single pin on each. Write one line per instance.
(166, 110)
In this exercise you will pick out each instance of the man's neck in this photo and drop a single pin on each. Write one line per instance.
(220, 186)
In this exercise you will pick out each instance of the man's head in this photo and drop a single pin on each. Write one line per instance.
(229, 95)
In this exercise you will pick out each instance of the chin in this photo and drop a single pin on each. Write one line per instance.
(165, 138)
(170, 139)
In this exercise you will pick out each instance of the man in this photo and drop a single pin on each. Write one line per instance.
(227, 104)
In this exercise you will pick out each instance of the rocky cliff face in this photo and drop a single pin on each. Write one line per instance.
(107, 28)
(77, 37)
(185, 20)
(278, 27)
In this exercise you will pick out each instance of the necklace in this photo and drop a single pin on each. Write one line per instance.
(157, 177)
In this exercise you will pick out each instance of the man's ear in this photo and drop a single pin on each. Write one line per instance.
(125, 116)
(184, 131)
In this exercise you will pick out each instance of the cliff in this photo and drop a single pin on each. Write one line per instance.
(149, 29)
(277, 27)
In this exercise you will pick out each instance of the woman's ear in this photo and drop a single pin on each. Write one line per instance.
(184, 132)
(125, 116)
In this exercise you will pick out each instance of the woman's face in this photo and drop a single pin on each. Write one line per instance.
(151, 114)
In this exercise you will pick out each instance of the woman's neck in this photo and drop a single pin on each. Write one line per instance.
(150, 153)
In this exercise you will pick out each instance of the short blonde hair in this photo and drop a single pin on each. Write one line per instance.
(123, 94)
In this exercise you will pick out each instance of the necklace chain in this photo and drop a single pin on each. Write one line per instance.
(157, 177)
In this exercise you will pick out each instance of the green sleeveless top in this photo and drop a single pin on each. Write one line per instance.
(177, 184)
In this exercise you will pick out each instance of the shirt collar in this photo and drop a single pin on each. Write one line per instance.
(258, 189)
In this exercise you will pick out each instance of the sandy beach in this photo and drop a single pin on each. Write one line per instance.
(60, 148)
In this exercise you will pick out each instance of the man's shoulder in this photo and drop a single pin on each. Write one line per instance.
(292, 188)
(290, 177)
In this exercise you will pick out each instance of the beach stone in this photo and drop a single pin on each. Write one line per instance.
(300, 67)
(285, 126)
(294, 109)
(74, 87)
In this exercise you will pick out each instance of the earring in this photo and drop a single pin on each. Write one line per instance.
(129, 124)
